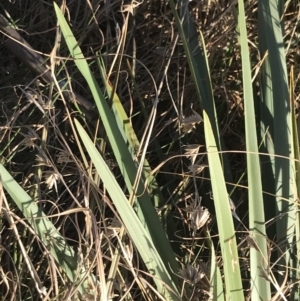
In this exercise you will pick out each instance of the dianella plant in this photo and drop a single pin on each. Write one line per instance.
(185, 194)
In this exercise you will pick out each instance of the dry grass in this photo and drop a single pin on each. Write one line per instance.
(40, 149)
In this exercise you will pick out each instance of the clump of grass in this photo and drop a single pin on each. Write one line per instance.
(157, 187)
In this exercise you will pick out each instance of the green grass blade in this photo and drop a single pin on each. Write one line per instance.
(54, 242)
(131, 139)
(260, 287)
(195, 51)
(233, 282)
(135, 228)
(196, 60)
(276, 117)
(296, 151)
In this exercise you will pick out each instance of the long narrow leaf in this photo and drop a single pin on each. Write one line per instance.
(135, 228)
(276, 121)
(131, 139)
(234, 288)
(195, 51)
(296, 152)
(260, 287)
(53, 241)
